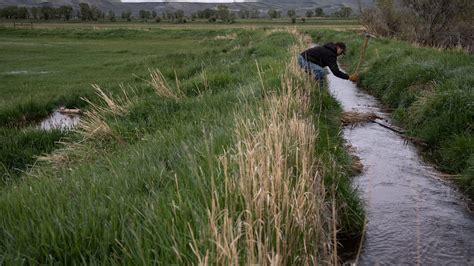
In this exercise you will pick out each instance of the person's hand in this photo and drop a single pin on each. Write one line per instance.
(354, 77)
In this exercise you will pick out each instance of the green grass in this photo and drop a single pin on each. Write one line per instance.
(431, 93)
(60, 65)
(19, 146)
(139, 195)
(45, 69)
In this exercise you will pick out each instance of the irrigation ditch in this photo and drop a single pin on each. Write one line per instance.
(414, 215)
(62, 119)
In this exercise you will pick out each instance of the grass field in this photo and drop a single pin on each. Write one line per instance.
(431, 93)
(45, 69)
(231, 155)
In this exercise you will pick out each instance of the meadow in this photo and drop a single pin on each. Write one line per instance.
(195, 146)
(45, 69)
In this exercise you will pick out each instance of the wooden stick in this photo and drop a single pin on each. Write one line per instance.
(362, 55)
(388, 126)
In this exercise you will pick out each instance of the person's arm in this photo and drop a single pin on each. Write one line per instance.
(332, 63)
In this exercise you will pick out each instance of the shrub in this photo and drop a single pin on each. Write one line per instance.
(429, 22)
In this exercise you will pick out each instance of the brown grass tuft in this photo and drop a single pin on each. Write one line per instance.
(159, 83)
(93, 123)
(229, 37)
(351, 118)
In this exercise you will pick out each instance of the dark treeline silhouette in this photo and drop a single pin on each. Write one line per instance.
(221, 13)
(85, 12)
(44, 12)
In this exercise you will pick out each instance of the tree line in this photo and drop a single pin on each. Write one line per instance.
(45, 12)
(65, 12)
(88, 12)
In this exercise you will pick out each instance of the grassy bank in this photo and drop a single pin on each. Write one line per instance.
(228, 164)
(19, 147)
(431, 94)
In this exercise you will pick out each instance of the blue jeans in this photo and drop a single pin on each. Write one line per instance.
(315, 70)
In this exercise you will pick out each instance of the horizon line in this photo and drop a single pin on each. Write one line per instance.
(191, 1)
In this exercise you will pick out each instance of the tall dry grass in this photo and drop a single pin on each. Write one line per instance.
(161, 87)
(93, 123)
(274, 208)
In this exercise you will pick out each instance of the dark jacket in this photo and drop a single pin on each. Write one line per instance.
(325, 56)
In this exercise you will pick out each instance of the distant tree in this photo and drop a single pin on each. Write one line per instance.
(9, 12)
(273, 13)
(291, 13)
(293, 20)
(223, 12)
(232, 17)
(207, 13)
(244, 13)
(319, 12)
(46, 12)
(112, 16)
(309, 13)
(168, 14)
(65, 12)
(35, 12)
(254, 13)
(153, 14)
(127, 15)
(96, 13)
(179, 14)
(22, 13)
(143, 14)
(85, 11)
(344, 12)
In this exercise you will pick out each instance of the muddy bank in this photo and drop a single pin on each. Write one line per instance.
(414, 215)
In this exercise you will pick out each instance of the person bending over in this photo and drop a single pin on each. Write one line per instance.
(315, 59)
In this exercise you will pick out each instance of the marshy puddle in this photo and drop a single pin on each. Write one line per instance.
(25, 72)
(414, 216)
(60, 120)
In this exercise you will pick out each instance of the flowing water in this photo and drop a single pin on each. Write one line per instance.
(414, 216)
